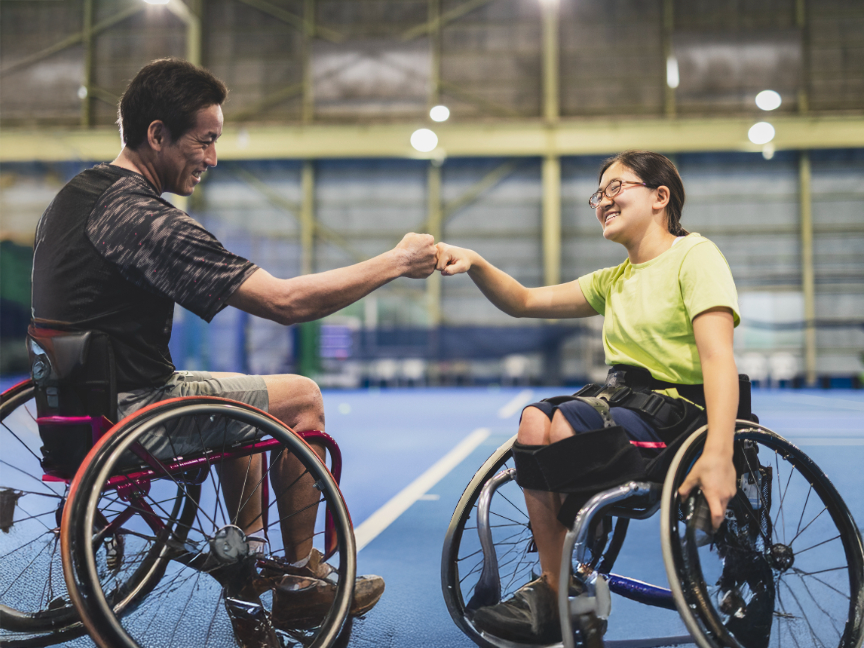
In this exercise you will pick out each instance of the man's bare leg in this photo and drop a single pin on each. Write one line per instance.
(297, 402)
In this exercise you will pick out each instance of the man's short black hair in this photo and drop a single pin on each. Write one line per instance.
(171, 90)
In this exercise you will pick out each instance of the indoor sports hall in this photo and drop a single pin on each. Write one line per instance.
(489, 125)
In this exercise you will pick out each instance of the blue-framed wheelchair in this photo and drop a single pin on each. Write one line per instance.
(785, 569)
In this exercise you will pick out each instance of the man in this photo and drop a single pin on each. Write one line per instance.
(112, 255)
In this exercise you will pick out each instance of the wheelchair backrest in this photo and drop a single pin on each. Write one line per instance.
(73, 375)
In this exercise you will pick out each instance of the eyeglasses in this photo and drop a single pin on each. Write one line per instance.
(611, 190)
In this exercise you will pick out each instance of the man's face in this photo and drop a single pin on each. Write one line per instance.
(187, 158)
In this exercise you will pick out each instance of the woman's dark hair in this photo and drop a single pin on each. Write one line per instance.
(171, 90)
(655, 170)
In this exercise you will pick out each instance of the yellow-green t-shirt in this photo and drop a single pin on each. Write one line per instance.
(649, 307)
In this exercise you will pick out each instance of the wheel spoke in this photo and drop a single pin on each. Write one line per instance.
(808, 525)
(806, 618)
(803, 510)
(798, 552)
(26, 447)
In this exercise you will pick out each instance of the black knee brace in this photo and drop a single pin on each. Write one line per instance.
(586, 462)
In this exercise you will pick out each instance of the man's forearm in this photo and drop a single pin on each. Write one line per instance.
(318, 295)
(310, 297)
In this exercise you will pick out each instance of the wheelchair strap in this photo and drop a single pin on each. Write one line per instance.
(670, 416)
(584, 463)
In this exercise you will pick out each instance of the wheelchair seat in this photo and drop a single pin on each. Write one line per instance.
(76, 393)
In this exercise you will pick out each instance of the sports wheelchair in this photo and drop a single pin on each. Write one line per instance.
(786, 567)
(100, 534)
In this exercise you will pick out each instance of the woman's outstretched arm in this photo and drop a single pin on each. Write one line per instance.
(553, 302)
(714, 472)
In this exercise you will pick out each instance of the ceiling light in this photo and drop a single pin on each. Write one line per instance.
(424, 140)
(439, 113)
(156, 1)
(768, 100)
(672, 78)
(761, 133)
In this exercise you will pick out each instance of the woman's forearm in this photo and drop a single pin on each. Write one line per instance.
(501, 289)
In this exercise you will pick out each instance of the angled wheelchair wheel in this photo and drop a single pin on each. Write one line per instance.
(786, 567)
(517, 558)
(171, 489)
(34, 607)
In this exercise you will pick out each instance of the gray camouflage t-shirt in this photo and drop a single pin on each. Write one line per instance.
(112, 255)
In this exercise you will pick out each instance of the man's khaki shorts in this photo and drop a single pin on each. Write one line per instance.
(192, 434)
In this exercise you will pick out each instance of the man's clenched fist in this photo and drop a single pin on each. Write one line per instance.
(419, 255)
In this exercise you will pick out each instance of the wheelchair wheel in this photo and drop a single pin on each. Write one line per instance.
(518, 561)
(34, 607)
(196, 580)
(786, 566)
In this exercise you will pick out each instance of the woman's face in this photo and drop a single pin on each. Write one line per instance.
(628, 215)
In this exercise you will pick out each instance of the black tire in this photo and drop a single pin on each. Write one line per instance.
(786, 567)
(462, 556)
(181, 595)
(34, 606)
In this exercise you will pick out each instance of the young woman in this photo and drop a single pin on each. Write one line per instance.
(670, 309)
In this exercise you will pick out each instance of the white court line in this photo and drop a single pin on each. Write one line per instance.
(809, 399)
(402, 501)
(519, 401)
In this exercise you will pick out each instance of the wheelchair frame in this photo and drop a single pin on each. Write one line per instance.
(633, 500)
(132, 487)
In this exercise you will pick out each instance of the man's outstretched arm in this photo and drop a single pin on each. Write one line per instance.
(310, 297)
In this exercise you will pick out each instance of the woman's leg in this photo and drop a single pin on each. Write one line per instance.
(543, 506)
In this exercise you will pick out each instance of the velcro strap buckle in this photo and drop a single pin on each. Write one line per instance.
(617, 395)
(653, 404)
(589, 390)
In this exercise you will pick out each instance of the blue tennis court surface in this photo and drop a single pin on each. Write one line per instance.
(389, 438)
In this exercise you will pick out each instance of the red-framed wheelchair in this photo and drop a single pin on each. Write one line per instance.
(102, 534)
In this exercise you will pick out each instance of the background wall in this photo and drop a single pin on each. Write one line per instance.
(301, 67)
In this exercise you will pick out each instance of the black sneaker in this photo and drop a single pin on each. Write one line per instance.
(530, 616)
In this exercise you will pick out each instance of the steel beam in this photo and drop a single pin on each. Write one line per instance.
(193, 29)
(74, 39)
(502, 139)
(669, 106)
(476, 190)
(551, 56)
(307, 219)
(87, 38)
(434, 227)
(307, 108)
(804, 88)
(295, 21)
(436, 23)
(434, 9)
(808, 283)
(551, 220)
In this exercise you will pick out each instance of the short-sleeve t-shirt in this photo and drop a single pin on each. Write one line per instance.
(649, 307)
(112, 255)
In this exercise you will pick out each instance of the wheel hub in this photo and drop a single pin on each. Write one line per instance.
(781, 557)
(229, 544)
